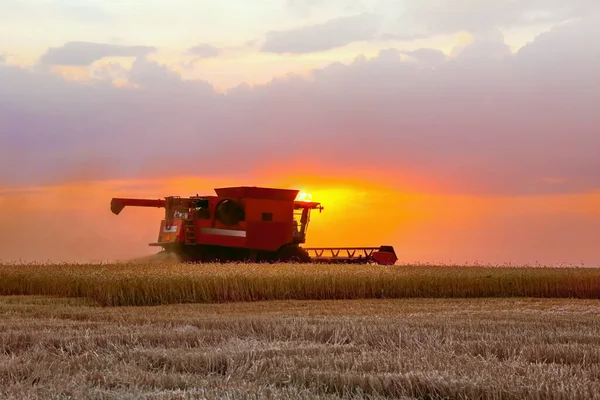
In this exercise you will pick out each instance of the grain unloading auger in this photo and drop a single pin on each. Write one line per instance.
(246, 224)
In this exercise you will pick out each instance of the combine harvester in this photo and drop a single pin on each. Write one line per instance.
(244, 223)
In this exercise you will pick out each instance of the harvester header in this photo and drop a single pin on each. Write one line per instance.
(245, 223)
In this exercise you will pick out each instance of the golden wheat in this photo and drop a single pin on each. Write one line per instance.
(155, 284)
(348, 349)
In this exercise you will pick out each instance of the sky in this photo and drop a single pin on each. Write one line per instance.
(463, 131)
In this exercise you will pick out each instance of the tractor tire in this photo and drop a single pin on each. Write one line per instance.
(292, 253)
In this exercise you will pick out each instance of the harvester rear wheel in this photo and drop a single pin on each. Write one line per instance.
(292, 253)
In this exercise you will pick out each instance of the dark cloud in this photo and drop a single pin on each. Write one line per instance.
(325, 36)
(205, 51)
(85, 53)
(483, 121)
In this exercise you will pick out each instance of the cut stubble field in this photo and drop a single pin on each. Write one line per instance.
(121, 331)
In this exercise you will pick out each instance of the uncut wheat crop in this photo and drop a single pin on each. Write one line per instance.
(169, 282)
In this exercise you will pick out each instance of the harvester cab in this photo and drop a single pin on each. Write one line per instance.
(301, 219)
(245, 224)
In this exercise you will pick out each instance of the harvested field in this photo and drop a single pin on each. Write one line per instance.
(345, 349)
(142, 283)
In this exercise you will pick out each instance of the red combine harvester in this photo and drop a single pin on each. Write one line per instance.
(246, 224)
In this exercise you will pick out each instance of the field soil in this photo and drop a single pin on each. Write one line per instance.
(57, 348)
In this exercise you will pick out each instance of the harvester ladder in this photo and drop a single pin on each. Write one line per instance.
(190, 231)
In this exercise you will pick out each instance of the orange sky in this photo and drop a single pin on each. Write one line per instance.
(73, 222)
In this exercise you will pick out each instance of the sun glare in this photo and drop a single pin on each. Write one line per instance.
(304, 196)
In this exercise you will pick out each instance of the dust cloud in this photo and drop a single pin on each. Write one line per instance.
(72, 223)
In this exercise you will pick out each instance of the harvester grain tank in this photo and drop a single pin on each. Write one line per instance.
(246, 223)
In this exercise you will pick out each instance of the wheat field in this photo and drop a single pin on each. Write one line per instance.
(148, 283)
(292, 331)
(53, 348)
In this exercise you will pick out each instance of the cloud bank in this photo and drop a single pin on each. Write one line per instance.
(484, 121)
(205, 51)
(85, 53)
(443, 17)
(334, 33)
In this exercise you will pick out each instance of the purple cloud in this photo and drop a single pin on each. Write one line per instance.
(431, 57)
(441, 16)
(485, 121)
(85, 53)
(205, 51)
(325, 36)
